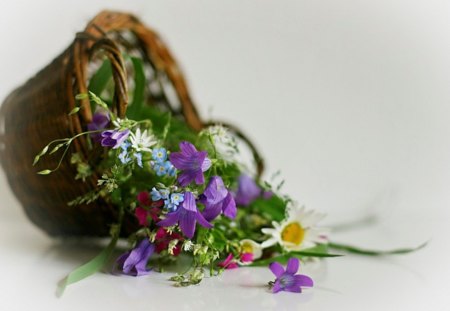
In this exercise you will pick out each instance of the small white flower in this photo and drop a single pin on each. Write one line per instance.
(172, 245)
(170, 229)
(224, 142)
(142, 141)
(298, 231)
(250, 246)
(219, 132)
(152, 237)
(188, 245)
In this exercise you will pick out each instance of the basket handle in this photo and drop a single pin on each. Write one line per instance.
(157, 51)
(107, 21)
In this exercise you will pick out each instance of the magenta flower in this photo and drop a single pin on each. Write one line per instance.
(186, 215)
(247, 258)
(114, 138)
(191, 162)
(217, 199)
(134, 262)
(228, 263)
(288, 280)
(100, 121)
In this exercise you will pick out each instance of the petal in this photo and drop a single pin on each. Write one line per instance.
(141, 214)
(118, 266)
(107, 133)
(232, 265)
(187, 223)
(212, 211)
(248, 190)
(180, 161)
(276, 287)
(185, 178)
(303, 280)
(268, 243)
(108, 142)
(206, 163)
(226, 261)
(268, 231)
(141, 266)
(170, 220)
(202, 221)
(199, 178)
(137, 255)
(247, 257)
(276, 269)
(187, 148)
(215, 191)
(229, 206)
(292, 265)
(144, 198)
(189, 202)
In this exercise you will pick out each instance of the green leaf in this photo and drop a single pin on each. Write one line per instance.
(74, 111)
(134, 109)
(100, 79)
(88, 268)
(44, 172)
(275, 207)
(369, 252)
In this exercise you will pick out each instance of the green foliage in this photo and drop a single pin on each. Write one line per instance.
(273, 208)
(101, 78)
(134, 108)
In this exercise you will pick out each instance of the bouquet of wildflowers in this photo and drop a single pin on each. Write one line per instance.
(190, 196)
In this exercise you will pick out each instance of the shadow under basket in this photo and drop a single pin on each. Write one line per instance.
(38, 112)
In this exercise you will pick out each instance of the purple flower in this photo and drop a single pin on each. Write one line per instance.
(134, 262)
(217, 199)
(191, 162)
(186, 216)
(100, 120)
(247, 191)
(114, 138)
(288, 280)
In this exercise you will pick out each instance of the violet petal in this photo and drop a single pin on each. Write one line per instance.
(276, 269)
(229, 206)
(292, 265)
(303, 280)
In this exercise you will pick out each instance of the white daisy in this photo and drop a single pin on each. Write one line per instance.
(298, 231)
(250, 246)
(142, 141)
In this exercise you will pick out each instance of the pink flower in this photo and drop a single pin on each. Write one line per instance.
(147, 208)
(228, 263)
(247, 258)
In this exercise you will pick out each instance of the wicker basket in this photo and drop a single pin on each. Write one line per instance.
(37, 112)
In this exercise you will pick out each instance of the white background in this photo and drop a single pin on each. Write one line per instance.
(349, 99)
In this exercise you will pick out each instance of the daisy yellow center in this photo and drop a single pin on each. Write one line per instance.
(247, 248)
(293, 233)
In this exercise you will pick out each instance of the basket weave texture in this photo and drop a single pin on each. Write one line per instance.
(37, 113)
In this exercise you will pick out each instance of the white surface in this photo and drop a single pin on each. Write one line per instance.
(350, 99)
